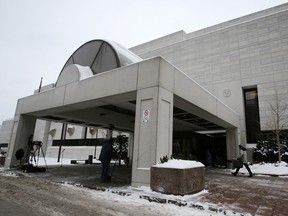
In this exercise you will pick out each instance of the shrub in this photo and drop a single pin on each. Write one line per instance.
(120, 147)
(266, 150)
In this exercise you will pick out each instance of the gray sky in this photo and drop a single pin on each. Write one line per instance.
(38, 36)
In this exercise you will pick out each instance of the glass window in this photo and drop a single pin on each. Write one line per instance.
(253, 132)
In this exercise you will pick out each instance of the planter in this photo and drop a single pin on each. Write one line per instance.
(187, 178)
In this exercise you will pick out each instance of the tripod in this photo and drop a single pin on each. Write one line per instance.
(33, 153)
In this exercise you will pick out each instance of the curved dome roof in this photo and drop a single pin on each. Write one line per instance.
(101, 56)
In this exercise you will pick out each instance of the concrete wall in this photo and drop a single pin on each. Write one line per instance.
(41, 133)
(160, 42)
(251, 51)
(273, 97)
(75, 152)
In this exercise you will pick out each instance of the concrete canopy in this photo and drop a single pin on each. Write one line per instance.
(120, 97)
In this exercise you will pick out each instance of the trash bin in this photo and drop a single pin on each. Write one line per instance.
(90, 159)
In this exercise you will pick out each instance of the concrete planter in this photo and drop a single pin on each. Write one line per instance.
(178, 181)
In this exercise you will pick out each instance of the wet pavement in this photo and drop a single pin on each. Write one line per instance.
(259, 195)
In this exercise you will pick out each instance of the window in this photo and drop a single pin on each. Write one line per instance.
(252, 115)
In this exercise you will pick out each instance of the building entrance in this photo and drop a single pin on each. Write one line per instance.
(209, 149)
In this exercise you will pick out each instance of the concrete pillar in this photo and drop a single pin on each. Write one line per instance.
(46, 136)
(63, 137)
(84, 133)
(23, 127)
(153, 131)
(233, 138)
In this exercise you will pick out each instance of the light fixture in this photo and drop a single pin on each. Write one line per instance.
(52, 132)
(70, 130)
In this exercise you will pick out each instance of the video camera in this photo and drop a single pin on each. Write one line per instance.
(35, 143)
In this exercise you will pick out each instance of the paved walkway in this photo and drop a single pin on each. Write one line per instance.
(259, 195)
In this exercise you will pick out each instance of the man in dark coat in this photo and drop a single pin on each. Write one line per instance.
(105, 157)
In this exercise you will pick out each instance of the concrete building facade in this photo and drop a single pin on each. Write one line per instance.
(219, 80)
(229, 59)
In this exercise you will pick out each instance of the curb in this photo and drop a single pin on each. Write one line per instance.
(161, 200)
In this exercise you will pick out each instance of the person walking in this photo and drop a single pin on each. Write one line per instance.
(243, 157)
(105, 157)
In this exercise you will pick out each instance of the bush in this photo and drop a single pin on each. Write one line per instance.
(164, 159)
(120, 147)
(266, 150)
(284, 156)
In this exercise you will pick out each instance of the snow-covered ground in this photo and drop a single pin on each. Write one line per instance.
(275, 169)
(193, 207)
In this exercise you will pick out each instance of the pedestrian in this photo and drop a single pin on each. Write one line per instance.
(243, 158)
(105, 157)
(209, 161)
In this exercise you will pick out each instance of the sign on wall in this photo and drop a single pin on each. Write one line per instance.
(146, 115)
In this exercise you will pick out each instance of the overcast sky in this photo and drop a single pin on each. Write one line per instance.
(38, 36)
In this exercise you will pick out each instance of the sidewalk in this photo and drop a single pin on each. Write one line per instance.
(260, 195)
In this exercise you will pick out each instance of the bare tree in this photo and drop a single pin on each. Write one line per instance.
(279, 118)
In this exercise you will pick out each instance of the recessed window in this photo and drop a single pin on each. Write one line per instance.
(252, 115)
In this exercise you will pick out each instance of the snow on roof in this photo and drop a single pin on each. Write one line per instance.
(180, 164)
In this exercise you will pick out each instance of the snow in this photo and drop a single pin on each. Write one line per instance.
(132, 200)
(179, 164)
(275, 169)
(193, 207)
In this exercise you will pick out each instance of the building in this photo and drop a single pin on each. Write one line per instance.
(207, 90)
(5, 134)
(243, 62)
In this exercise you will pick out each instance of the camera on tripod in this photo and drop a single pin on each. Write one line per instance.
(29, 161)
(37, 143)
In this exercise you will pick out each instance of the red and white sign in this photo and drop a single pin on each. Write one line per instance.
(146, 115)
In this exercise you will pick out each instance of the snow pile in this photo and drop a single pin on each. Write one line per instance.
(180, 164)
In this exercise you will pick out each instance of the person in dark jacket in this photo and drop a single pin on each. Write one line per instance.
(105, 157)
(243, 157)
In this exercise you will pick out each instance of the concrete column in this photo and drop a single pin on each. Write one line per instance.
(46, 136)
(153, 131)
(23, 127)
(63, 137)
(84, 132)
(233, 137)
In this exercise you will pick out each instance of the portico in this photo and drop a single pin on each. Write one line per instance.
(152, 85)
